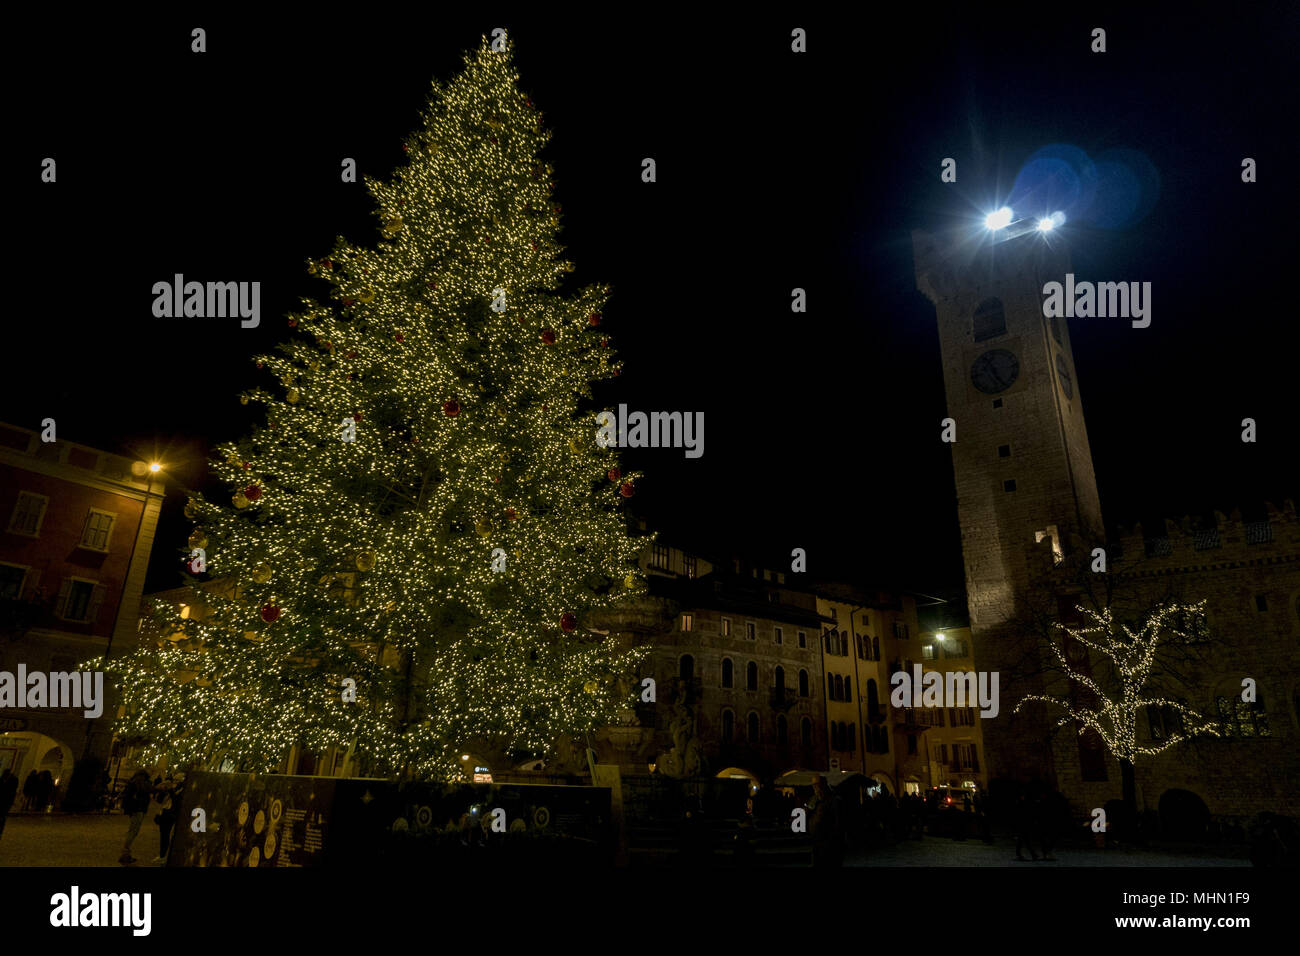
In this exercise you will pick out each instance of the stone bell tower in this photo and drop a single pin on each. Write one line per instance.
(1021, 461)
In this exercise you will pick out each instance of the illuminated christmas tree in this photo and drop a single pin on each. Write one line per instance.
(1112, 700)
(426, 512)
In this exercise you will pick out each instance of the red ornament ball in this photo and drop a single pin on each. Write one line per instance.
(593, 319)
(604, 343)
(252, 492)
(569, 622)
(451, 408)
(626, 489)
(615, 474)
(348, 301)
(293, 323)
(401, 337)
(270, 613)
(260, 365)
(247, 466)
(432, 285)
(352, 355)
(405, 148)
(548, 336)
(328, 264)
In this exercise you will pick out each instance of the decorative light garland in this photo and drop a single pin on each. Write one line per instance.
(465, 374)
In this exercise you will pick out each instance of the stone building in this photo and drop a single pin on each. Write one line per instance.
(1030, 517)
(737, 662)
(78, 530)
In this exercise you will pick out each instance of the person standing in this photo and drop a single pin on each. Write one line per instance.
(8, 791)
(169, 802)
(828, 837)
(44, 790)
(135, 801)
(29, 789)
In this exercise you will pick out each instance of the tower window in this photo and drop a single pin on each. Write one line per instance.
(1009, 485)
(1261, 602)
(997, 403)
(989, 320)
(1004, 451)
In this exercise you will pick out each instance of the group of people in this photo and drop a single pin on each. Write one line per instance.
(1034, 824)
(139, 795)
(37, 791)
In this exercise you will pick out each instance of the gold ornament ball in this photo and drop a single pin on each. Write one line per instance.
(243, 399)
(293, 396)
(239, 501)
(629, 582)
(366, 561)
(262, 573)
(483, 527)
(198, 540)
(575, 446)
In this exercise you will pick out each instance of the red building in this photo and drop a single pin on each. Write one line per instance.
(76, 529)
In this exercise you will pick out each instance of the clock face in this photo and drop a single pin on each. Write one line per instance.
(995, 371)
(1063, 376)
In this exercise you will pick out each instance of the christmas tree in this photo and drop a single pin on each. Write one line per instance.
(419, 532)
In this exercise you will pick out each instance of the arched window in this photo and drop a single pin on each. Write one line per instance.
(830, 686)
(882, 739)
(805, 732)
(875, 648)
(858, 637)
(751, 676)
(873, 702)
(851, 737)
(989, 320)
(728, 726)
(835, 735)
(844, 645)
(839, 687)
(727, 672)
(780, 679)
(753, 727)
(687, 667)
(782, 730)
(803, 682)
(848, 689)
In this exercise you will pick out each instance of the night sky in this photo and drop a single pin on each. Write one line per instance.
(775, 170)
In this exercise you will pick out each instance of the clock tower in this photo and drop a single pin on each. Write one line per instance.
(1021, 461)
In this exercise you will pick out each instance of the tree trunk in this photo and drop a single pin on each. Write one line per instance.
(1128, 779)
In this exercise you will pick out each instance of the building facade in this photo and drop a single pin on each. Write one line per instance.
(1030, 518)
(78, 531)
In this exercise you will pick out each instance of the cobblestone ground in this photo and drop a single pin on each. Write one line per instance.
(941, 851)
(91, 839)
(96, 840)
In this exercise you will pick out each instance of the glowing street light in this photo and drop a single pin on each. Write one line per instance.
(1051, 222)
(155, 467)
(998, 220)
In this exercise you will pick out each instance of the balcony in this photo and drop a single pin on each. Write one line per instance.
(782, 698)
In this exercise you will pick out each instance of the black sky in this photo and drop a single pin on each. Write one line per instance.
(775, 170)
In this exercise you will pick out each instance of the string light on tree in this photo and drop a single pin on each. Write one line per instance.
(370, 559)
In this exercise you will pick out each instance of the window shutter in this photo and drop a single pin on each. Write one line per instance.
(96, 598)
(61, 604)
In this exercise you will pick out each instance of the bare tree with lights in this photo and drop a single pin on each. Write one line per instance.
(1115, 701)
(417, 534)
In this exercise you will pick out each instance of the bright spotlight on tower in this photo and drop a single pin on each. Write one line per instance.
(1000, 219)
(1046, 225)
